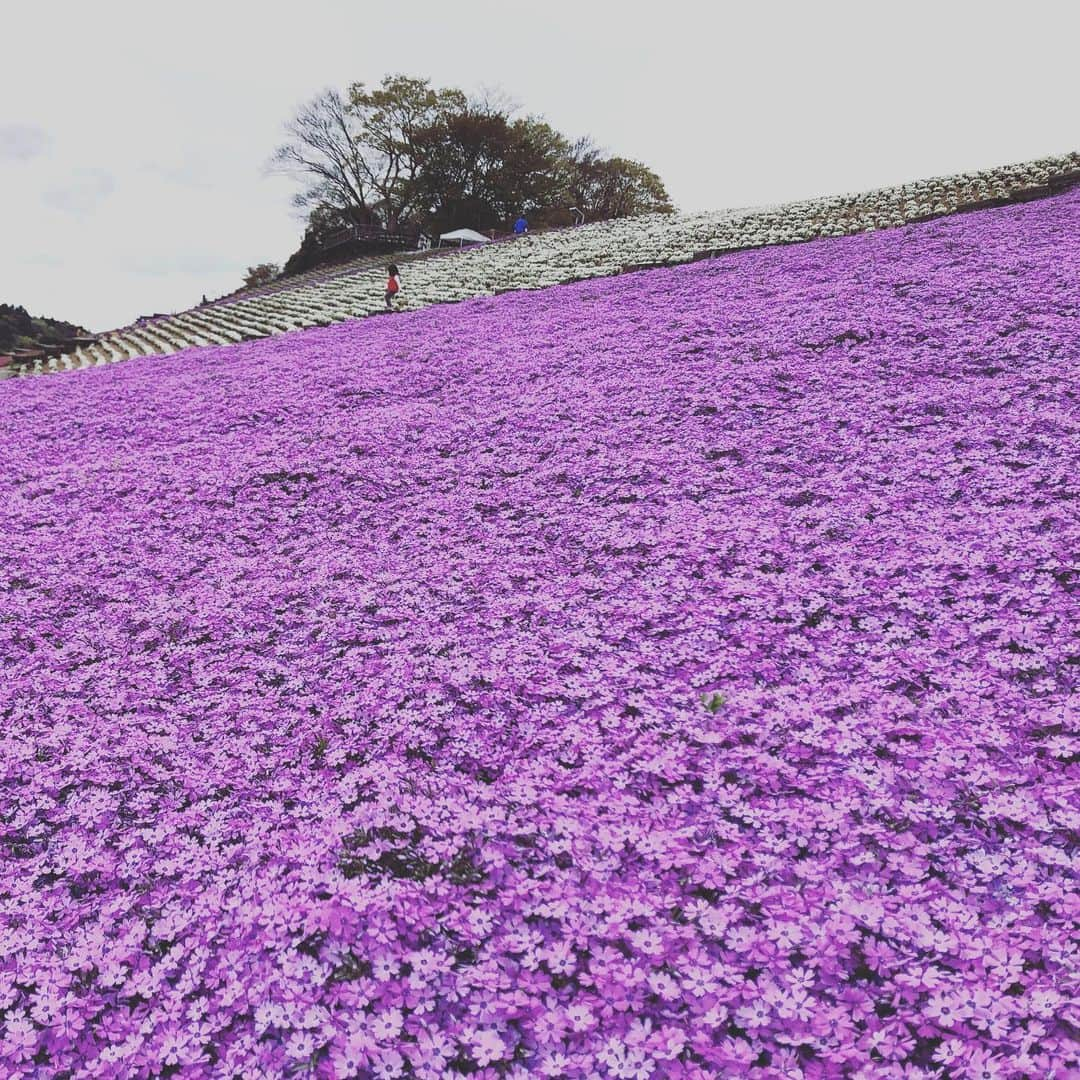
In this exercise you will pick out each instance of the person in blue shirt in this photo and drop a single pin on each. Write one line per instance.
(521, 226)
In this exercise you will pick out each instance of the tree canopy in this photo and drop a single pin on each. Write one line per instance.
(614, 187)
(481, 168)
(20, 330)
(405, 154)
(262, 274)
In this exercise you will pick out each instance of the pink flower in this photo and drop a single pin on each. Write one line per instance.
(488, 1047)
(580, 1017)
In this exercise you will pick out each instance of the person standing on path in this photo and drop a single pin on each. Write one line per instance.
(521, 226)
(393, 285)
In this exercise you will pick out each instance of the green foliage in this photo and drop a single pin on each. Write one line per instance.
(713, 702)
(20, 330)
(404, 152)
(262, 274)
(482, 168)
(391, 120)
(616, 187)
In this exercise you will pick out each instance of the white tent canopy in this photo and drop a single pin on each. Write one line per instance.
(465, 236)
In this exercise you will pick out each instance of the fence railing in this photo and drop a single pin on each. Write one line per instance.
(406, 237)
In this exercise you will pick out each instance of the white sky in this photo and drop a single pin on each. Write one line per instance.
(133, 134)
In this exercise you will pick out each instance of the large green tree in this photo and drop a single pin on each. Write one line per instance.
(406, 153)
(392, 118)
(613, 187)
(481, 168)
(20, 330)
(356, 152)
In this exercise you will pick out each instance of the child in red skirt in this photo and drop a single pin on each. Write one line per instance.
(393, 285)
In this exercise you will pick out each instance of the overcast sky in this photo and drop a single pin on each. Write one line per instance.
(133, 135)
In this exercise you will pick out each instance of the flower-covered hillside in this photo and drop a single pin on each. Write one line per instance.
(665, 676)
(560, 256)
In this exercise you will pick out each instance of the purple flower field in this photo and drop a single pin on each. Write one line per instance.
(664, 676)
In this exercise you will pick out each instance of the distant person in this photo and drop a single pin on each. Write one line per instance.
(521, 226)
(393, 285)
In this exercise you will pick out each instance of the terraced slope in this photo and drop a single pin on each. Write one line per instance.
(672, 675)
(355, 290)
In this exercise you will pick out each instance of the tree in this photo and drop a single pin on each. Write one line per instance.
(20, 330)
(533, 172)
(405, 153)
(357, 153)
(605, 188)
(389, 119)
(325, 151)
(479, 168)
(262, 274)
